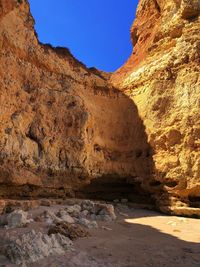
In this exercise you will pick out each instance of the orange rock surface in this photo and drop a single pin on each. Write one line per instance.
(162, 77)
(62, 124)
(67, 130)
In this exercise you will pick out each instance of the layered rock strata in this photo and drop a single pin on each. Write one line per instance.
(162, 77)
(68, 130)
(62, 125)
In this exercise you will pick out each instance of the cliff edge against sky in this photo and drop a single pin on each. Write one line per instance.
(162, 78)
(64, 126)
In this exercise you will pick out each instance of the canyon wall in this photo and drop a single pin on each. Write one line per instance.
(62, 125)
(162, 77)
(67, 130)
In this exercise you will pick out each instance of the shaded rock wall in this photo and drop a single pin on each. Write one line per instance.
(162, 77)
(62, 124)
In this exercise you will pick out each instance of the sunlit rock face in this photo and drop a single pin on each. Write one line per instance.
(62, 124)
(162, 77)
(67, 130)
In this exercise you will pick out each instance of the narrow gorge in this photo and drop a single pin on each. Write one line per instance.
(68, 131)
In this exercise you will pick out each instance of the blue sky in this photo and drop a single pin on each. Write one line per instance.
(97, 32)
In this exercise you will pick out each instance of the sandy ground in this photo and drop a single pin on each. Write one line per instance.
(139, 238)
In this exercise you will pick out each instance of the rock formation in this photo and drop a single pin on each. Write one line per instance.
(66, 129)
(34, 246)
(162, 77)
(62, 124)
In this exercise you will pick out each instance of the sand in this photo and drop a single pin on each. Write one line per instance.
(138, 238)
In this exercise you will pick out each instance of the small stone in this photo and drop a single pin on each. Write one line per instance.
(123, 214)
(107, 218)
(49, 217)
(94, 224)
(177, 230)
(87, 223)
(84, 213)
(74, 209)
(88, 205)
(49, 221)
(73, 231)
(65, 216)
(105, 209)
(106, 228)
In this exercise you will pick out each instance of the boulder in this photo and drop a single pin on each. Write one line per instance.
(87, 223)
(104, 211)
(64, 216)
(73, 231)
(34, 246)
(17, 218)
(48, 217)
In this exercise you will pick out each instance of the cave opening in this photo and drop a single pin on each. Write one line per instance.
(115, 188)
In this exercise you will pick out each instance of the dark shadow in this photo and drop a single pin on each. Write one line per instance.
(137, 182)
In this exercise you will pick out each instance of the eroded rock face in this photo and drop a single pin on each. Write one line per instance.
(162, 78)
(66, 129)
(62, 124)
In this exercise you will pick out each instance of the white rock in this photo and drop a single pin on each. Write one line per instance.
(87, 223)
(49, 217)
(17, 218)
(67, 218)
(33, 246)
(88, 205)
(105, 209)
(93, 224)
(49, 221)
(74, 209)
(64, 216)
(84, 213)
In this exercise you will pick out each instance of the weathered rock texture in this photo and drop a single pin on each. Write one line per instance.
(61, 123)
(162, 77)
(34, 246)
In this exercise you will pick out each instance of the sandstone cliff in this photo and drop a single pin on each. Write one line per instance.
(162, 77)
(62, 124)
(67, 130)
